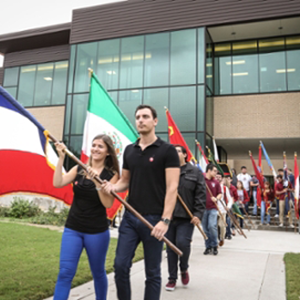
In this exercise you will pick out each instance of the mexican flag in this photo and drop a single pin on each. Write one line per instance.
(105, 117)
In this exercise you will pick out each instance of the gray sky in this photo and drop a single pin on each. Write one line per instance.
(19, 15)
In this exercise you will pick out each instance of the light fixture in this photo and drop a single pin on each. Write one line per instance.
(111, 72)
(284, 70)
(134, 91)
(235, 62)
(48, 78)
(208, 76)
(240, 74)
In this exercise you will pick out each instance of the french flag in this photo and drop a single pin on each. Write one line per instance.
(27, 160)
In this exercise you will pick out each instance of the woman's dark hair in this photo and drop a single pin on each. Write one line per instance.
(183, 150)
(142, 106)
(111, 160)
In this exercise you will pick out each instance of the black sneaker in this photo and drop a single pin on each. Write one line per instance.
(207, 251)
(229, 237)
(215, 251)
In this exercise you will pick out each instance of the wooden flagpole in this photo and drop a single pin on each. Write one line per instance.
(128, 206)
(191, 215)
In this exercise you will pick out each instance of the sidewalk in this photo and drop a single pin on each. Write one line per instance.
(247, 269)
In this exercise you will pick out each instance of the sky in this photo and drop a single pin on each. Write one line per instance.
(19, 15)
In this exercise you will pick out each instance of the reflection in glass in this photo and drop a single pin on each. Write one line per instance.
(158, 98)
(132, 61)
(128, 102)
(293, 70)
(26, 85)
(12, 91)
(272, 72)
(209, 63)
(114, 96)
(157, 59)
(71, 69)
(202, 52)
(85, 58)
(183, 57)
(11, 76)
(78, 116)
(201, 109)
(182, 107)
(245, 73)
(108, 63)
(59, 82)
(43, 85)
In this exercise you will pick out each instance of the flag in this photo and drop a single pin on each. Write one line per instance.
(27, 160)
(104, 117)
(296, 195)
(211, 158)
(285, 168)
(268, 160)
(215, 150)
(203, 162)
(257, 173)
(176, 137)
(259, 156)
(236, 211)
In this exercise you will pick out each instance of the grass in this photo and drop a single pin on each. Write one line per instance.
(30, 261)
(292, 267)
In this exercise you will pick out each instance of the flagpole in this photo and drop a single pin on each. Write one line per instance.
(128, 206)
(191, 215)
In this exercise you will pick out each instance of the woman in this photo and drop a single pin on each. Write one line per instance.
(268, 197)
(243, 198)
(86, 225)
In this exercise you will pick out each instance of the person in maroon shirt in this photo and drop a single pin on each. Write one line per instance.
(280, 193)
(210, 216)
(233, 193)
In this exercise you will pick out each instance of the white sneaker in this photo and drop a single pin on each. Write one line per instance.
(280, 225)
(292, 226)
(276, 216)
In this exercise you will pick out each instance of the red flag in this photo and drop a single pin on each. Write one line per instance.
(257, 173)
(296, 196)
(259, 156)
(176, 137)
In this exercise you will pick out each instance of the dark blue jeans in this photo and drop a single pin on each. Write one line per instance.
(228, 230)
(131, 232)
(180, 233)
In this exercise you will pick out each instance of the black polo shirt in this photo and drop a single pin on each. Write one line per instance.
(147, 186)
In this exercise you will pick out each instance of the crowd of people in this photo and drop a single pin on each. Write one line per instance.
(166, 191)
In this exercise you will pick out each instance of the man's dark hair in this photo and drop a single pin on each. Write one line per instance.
(219, 173)
(183, 150)
(279, 176)
(290, 169)
(243, 167)
(280, 170)
(142, 106)
(210, 167)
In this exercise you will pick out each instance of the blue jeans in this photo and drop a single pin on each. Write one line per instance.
(210, 227)
(228, 230)
(277, 206)
(72, 244)
(180, 233)
(242, 213)
(254, 203)
(287, 206)
(262, 213)
(131, 232)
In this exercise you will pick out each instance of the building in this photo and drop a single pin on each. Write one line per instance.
(228, 69)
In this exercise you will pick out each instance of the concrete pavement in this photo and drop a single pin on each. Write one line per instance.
(247, 269)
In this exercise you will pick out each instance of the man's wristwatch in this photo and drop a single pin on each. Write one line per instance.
(166, 221)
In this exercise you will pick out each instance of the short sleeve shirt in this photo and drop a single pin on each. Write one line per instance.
(245, 179)
(147, 186)
(215, 189)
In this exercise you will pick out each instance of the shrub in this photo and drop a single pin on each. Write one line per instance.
(4, 211)
(51, 217)
(21, 208)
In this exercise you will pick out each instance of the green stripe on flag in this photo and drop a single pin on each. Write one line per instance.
(108, 109)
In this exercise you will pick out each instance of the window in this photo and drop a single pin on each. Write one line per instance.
(128, 102)
(26, 85)
(11, 76)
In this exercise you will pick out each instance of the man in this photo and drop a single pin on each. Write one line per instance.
(245, 178)
(286, 184)
(151, 172)
(193, 192)
(210, 216)
(227, 201)
(280, 192)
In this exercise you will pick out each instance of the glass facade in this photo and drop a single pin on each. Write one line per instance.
(38, 85)
(257, 66)
(162, 70)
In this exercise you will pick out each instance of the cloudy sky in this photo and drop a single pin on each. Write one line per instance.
(19, 15)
